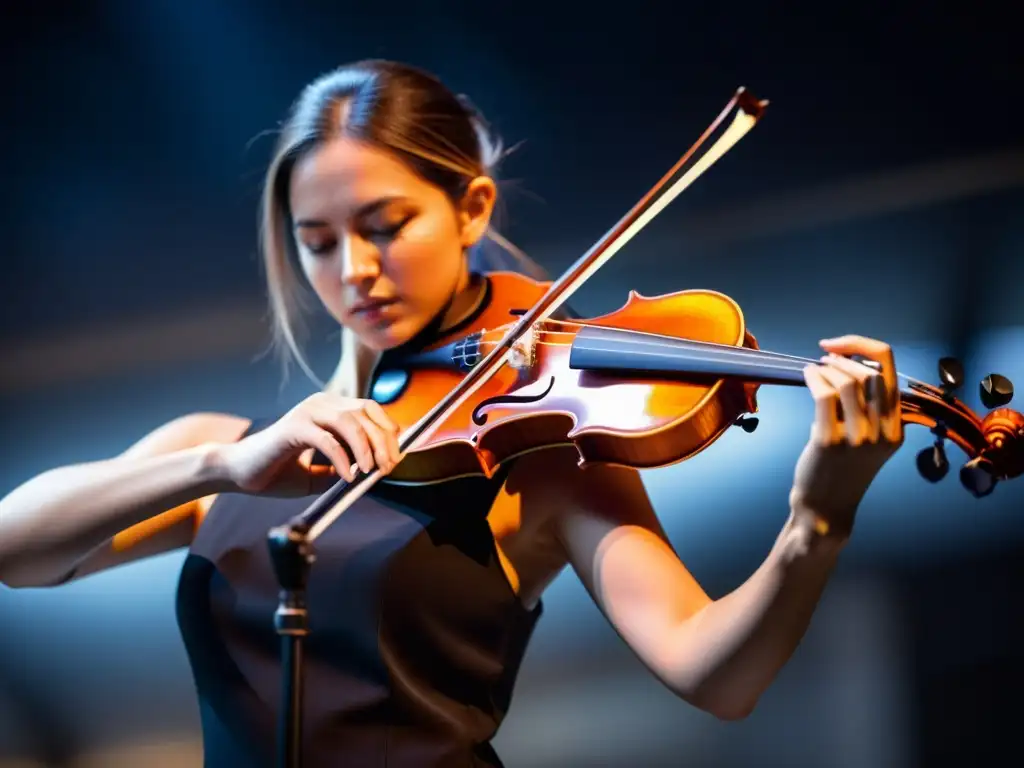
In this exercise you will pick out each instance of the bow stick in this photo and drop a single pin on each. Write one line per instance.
(746, 111)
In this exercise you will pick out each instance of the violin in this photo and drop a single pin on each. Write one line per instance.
(653, 383)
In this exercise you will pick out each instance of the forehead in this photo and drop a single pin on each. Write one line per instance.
(345, 174)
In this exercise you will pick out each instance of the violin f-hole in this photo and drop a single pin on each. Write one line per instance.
(480, 418)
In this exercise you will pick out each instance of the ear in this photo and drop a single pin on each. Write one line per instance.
(475, 209)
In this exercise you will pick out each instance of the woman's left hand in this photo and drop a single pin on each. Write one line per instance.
(857, 427)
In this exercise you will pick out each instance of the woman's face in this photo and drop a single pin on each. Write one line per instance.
(383, 248)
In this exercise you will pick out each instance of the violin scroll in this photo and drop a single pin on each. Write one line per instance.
(1003, 430)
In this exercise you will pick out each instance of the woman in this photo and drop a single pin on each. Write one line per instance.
(422, 599)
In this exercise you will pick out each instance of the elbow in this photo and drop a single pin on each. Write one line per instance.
(16, 574)
(25, 581)
(728, 706)
(731, 711)
(10, 578)
(13, 578)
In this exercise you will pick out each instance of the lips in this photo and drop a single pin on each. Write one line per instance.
(371, 306)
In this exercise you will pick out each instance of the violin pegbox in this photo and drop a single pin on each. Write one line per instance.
(932, 463)
(1003, 430)
(999, 437)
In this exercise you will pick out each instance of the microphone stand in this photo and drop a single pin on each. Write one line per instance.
(291, 544)
(292, 555)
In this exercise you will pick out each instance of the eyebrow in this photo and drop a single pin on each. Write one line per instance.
(363, 210)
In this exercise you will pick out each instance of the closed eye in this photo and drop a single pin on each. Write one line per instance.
(320, 249)
(386, 231)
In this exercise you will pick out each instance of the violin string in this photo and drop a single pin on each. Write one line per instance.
(739, 351)
(787, 365)
(767, 361)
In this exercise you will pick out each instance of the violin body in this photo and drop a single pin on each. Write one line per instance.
(537, 400)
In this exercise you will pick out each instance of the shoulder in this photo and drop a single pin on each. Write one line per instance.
(580, 511)
(189, 431)
(554, 479)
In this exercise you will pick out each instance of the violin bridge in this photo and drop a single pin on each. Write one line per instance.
(523, 353)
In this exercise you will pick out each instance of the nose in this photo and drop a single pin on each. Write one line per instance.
(360, 260)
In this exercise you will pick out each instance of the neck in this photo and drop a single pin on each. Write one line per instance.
(354, 367)
(470, 290)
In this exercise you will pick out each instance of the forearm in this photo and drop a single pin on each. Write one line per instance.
(54, 520)
(728, 654)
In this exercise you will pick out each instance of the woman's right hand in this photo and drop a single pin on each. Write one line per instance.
(276, 460)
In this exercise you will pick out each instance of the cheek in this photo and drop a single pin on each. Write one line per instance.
(325, 278)
(424, 261)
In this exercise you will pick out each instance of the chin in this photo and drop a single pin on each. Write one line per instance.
(391, 335)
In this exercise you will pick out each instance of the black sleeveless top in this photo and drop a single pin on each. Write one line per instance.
(416, 635)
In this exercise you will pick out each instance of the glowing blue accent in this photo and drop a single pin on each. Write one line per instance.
(389, 385)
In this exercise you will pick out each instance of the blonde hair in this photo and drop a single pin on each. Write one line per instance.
(402, 109)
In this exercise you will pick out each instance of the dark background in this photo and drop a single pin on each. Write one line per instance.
(881, 194)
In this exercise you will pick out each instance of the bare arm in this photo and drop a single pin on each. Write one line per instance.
(720, 655)
(81, 518)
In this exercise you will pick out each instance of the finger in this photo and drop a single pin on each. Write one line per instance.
(882, 354)
(322, 440)
(852, 344)
(378, 440)
(357, 440)
(874, 390)
(345, 426)
(868, 380)
(391, 430)
(826, 421)
(380, 416)
(858, 371)
(854, 417)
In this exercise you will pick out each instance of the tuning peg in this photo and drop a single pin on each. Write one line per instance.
(747, 423)
(996, 391)
(977, 477)
(951, 373)
(951, 376)
(932, 462)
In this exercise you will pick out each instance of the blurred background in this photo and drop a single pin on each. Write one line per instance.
(881, 194)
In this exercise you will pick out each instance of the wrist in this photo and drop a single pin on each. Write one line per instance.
(213, 470)
(808, 537)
